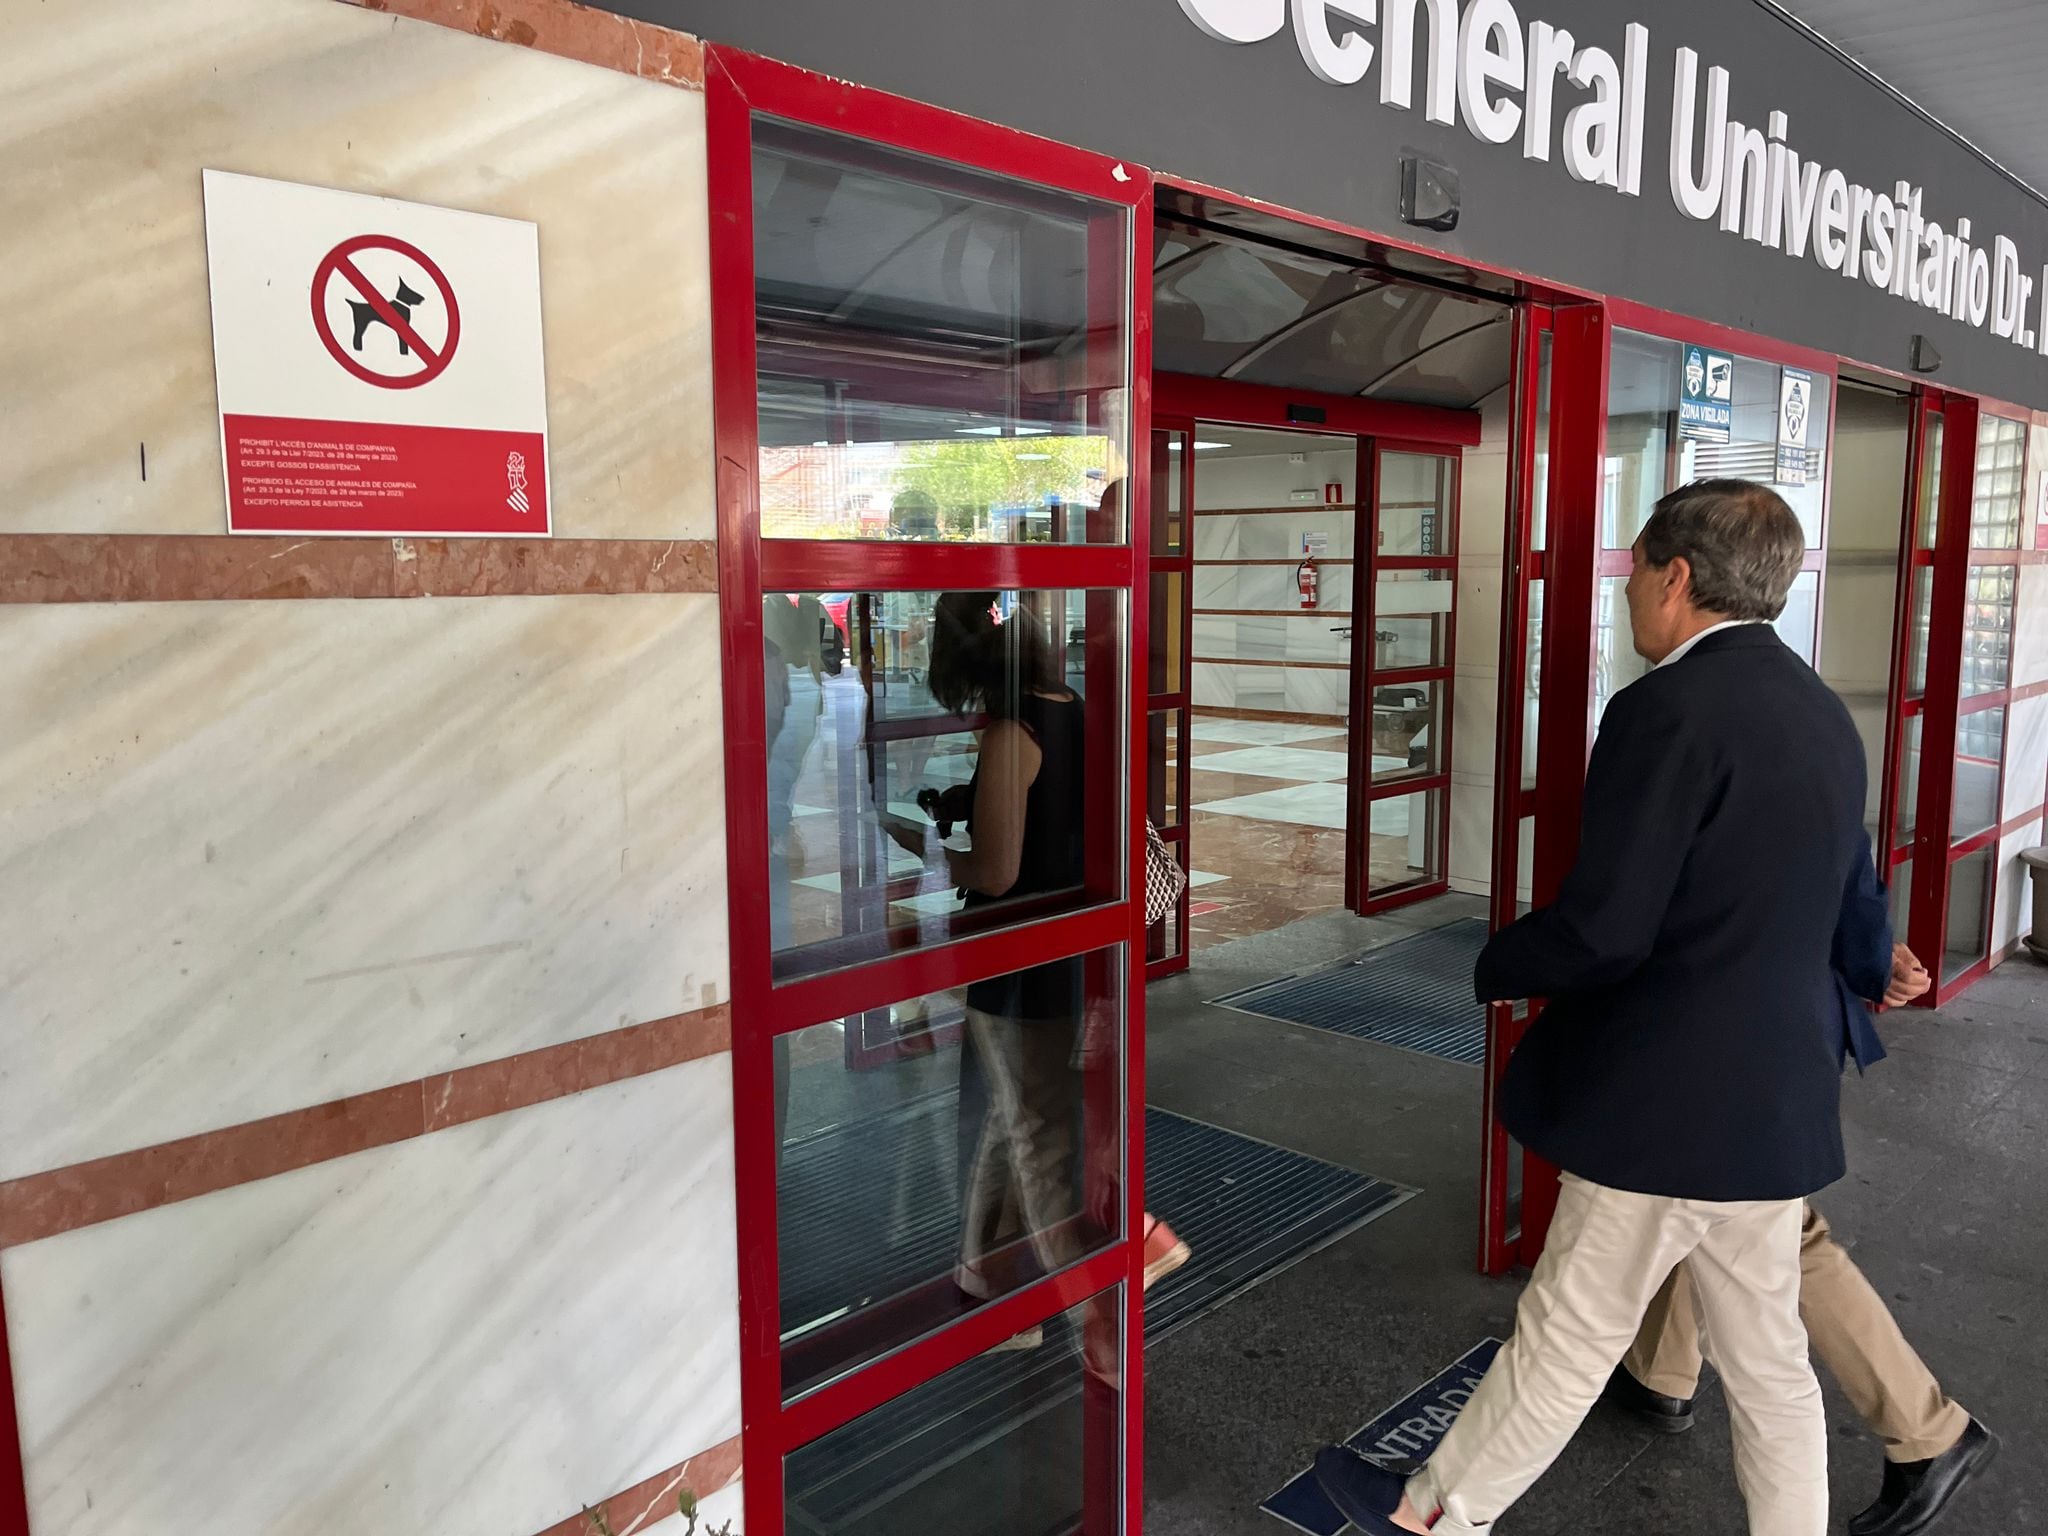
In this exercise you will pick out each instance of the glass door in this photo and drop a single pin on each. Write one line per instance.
(924, 340)
(1402, 672)
(1168, 689)
(1900, 823)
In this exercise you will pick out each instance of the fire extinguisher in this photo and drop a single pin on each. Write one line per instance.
(1308, 581)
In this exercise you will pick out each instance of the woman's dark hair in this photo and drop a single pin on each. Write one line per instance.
(980, 665)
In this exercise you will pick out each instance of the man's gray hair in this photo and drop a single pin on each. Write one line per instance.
(1743, 543)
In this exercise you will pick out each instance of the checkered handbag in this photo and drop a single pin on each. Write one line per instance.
(1165, 880)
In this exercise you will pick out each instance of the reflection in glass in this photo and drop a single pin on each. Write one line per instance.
(1407, 730)
(1928, 523)
(1615, 662)
(1532, 691)
(1996, 489)
(1402, 843)
(1919, 625)
(1980, 744)
(1969, 913)
(934, 363)
(1415, 501)
(1798, 624)
(1162, 758)
(1645, 459)
(1169, 520)
(943, 1152)
(1987, 628)
(1539, 492)
(1908, 819)
(1167, 633)
(1024, 1439)
(1901, 894)
(880, 711)
(1411, 618)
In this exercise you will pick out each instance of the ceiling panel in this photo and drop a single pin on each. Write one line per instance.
(1973, 64)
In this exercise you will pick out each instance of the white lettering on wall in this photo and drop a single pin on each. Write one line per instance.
(1506, 82)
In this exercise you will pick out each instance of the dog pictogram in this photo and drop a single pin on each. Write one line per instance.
(411, 297)
(402, 303)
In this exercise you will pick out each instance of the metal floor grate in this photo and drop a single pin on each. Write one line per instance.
(1247, 1209)
(1415, 993)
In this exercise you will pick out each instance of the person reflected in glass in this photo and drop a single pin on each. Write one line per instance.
(1024, 810)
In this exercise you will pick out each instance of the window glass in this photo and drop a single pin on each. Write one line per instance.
(1799, 622)
(1996, 490)
(1162, 758)
(1647, 456)
(1416, 492)
(878, 711)
(1167, 633)
(1969, 913)
(1615, 662)
(1540, 492)
(1403, 845)
(940, 1153)
(1987, 628)
(1908, 818)
(936, 359)
(1407, 730)
(1411, 618)
(1980, 744)
(1927, 524)
(1013, 1441)
(1919, 624)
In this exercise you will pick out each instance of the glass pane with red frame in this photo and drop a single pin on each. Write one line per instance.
(1997, 489)
(1539, 492)
(1169, 517)
(1026, 1438)
(1162, 762)
(1166, 671)
(1900, 892)
(1412, 618)
(889, 826)
(1799, 624)
(942, 1153)
(1532, 688)
(1919, 625)
(1416, 502)
(1988, 603)
(1980, 747)
(942, 353)
(1647, 455)
(1907, 820)
(1927, 521)
(1404, 841)
(1525, 866)
(1407, 730)
(1615, 661)
(1968, 938)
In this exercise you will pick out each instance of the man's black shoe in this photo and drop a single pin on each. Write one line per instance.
(1916, 1492)
(1365, 1493)
(1666, 1415)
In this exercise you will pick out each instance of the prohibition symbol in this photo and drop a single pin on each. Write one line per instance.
(375, 316)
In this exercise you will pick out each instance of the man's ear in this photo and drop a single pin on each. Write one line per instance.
(1678, 577)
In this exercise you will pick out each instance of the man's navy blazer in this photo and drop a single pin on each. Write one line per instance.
(1862, 959)
(1692, 1044)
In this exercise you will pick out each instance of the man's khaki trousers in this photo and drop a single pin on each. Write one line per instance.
(1853, 1333)
(1607, 1255)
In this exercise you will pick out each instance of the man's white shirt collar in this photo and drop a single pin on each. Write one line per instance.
(1712, 629)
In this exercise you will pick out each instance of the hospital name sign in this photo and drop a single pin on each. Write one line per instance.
(1505, 82)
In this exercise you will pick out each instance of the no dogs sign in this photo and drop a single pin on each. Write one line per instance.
(378, 363)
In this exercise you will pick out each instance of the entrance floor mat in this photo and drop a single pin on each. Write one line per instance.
(1246, 1208)
(1415, 993)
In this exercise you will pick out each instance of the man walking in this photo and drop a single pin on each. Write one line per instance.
(1686, 1073)
(1932, 1445)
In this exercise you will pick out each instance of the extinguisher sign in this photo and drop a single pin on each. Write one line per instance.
(377, 363)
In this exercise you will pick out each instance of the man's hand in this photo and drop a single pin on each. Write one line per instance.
(1909, 978)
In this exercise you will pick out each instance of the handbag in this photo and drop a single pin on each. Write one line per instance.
(1165, 880)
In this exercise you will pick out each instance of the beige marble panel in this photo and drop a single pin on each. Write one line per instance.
(268, 854)
(470, 1334)
(108, 113)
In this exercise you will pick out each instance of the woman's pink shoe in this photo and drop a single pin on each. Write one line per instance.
(1164, 1251)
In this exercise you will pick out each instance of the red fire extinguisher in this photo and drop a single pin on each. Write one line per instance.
(1308, 581)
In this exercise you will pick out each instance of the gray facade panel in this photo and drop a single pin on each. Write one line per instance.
(1137, 79)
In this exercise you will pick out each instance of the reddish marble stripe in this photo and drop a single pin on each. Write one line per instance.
(41, 1205)
(571, 31)
(655, 1498)
(148, 567)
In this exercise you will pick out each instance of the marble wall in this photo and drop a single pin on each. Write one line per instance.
(366, 1125)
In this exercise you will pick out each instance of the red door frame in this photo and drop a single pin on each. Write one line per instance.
(1185, 400)
(738, 86)
(1367, 677)
(1178, 696)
